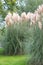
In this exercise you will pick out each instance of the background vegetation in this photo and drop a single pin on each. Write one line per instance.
(17, 40)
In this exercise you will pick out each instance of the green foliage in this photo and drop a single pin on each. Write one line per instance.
(11, 5)
(6, 6)
(30, 5)
(1, 51)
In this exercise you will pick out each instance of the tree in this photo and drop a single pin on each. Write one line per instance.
(6, 6)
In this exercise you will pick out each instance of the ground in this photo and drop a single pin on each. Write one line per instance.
(13, 60)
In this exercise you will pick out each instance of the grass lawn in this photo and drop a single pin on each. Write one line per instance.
(13, 60)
